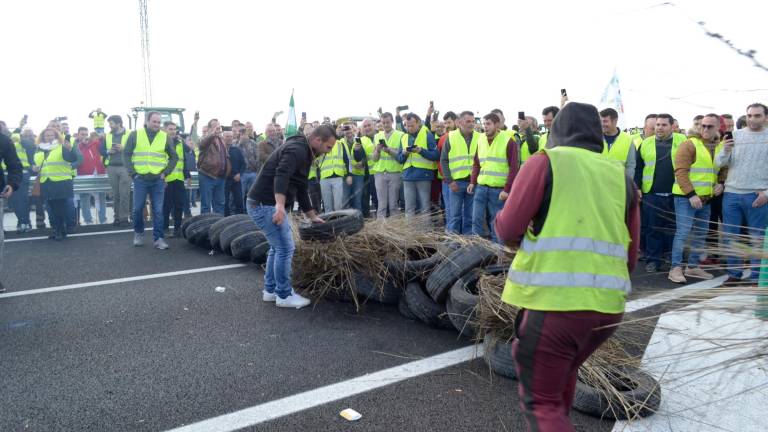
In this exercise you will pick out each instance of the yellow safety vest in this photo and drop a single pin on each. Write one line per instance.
(178, 171)
(703, 174)
(416, 160)
(150, 158)
(98, 120)
(543, 141)
(333, 162)
(21, 152)
(108, 142)
(620, 149)
(368, 146)
(461, 156)
(494, 167)
(578, 262)
(387, 163)
(54, 167)
(637, 139)
(525, 153)
(648, 153)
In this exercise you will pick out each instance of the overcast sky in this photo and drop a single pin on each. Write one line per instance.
(237, 59)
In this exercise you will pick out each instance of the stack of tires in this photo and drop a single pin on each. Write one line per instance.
(234, 235)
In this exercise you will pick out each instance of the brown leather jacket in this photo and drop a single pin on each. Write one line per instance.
(213, 160)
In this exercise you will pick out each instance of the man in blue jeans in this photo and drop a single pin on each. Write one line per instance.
(213, 167)
(286, 172)
(149, 156)
(456, 158)
(746, 188)
(695, 185)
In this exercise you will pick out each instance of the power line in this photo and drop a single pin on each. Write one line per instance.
(147, 70)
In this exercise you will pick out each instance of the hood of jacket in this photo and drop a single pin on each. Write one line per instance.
(577, 125)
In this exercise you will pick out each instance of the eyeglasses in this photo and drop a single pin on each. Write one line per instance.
(705, 126)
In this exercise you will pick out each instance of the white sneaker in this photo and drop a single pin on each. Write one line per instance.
(161, 244)
(292, 301)
(271, 297)
(138, 239)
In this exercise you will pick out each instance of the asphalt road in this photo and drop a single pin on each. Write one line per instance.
(156, 354)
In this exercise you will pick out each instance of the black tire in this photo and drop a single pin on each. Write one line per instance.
(463, 299)
(242, 246)
(197, 232)
(342, 222)
(368, 289)
(640, 391)
(418, 263)
(188, 221)
(405, 311)
(424, 308)
(259, 253)
(499, 357)
(219, 226)
(234, 231)
(456, 265)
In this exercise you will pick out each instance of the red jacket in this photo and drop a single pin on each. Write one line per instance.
(92, 160)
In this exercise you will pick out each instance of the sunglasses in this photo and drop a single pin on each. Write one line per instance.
(704, 126)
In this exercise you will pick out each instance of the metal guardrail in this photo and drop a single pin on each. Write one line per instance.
(100, 183)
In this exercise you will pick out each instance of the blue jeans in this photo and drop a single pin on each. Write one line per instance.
(277, 276)
(211, 194)
(487, 205)
(247, 179)
(460, 210)
(446, 193)
(101, 205)
(659, 213)
(688, 218)
(156, 190)
(353, 194)
(737, 209)
(20, 201)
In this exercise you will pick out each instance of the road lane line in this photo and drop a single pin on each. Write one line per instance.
(292, 404)
(120, 280)
(330, 393)
(23, 239)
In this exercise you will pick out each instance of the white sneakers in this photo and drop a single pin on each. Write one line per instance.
(292, 301)
(676, 275)
(268, 296)
(138, 239)
(161, 244)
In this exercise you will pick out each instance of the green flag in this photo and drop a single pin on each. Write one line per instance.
(291, 128)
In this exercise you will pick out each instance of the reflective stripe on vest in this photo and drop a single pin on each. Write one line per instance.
(703, 174)
(619, 151)
(333, 162)
(178, 171)
(150, 158)
(648, 153)
(578, 262)
(461, 156)
(494, 167)
(54, 167)
(108, 142)
(387, 163)
(416, 160)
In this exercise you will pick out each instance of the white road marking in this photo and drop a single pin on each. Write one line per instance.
(120, 280)
(23, 239)
(312, 398)
(292, 404)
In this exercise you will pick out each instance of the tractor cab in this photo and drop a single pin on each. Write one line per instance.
(175, 115)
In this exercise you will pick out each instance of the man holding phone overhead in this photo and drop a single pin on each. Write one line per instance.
(745, 201)
(388, 169)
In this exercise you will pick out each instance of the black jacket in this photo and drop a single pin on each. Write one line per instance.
(285, 172)
(12, 164)
(236, 160)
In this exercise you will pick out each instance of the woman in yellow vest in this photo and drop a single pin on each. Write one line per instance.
(695, 184)
(53, 165)
(574, 215)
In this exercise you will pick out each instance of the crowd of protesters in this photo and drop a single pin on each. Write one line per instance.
(695, 185)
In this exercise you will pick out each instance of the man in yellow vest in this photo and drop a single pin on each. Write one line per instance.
(363, 157)
(388, 169)
(456, 158)
(695, 184)
(493, 171)
(150, 156)
(98, 120)
(649, 129)
(529, 133)
(655, 174)
(574, 215)
(548, 116)
(353, 191)
(20, 200)
(112, 145)
(175, 193)
(418, 154)
(334, 177)
(618, 144)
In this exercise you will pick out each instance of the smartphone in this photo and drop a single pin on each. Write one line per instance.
(402, 108)
(521, 115)
(478, 120)
(382, 142)
(357, 140)
(727, 135)
(563, 92)
(226, 128)
(304, 114)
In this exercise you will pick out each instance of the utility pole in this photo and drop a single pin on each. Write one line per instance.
(144, 24)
